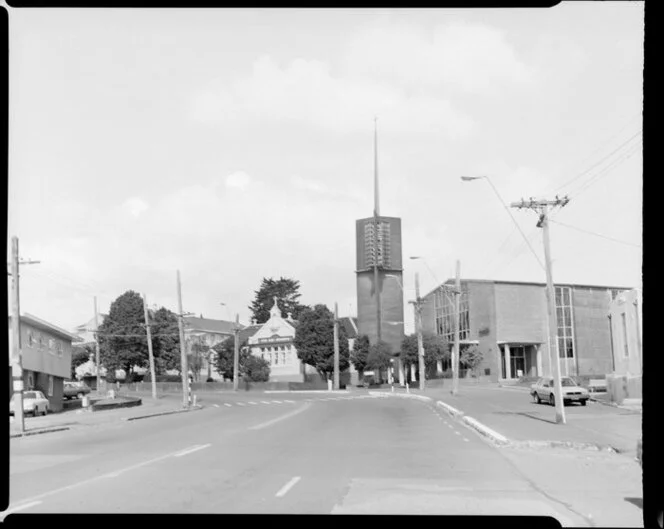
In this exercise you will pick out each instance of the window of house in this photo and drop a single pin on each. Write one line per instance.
(51, 345)
(31, 380)
(565, 322)
(623, 318)
(31, 338)
(59, 348)
(283, 357)
(276, 358)
(50, 385)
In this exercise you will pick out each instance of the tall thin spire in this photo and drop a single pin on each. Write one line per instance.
(376, 200)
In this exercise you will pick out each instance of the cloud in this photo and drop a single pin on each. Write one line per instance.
(239, 180)
(135, 206)
(305, 91)
(470, 58)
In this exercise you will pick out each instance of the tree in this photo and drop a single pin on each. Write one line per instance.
(314, 341)
(256, 369)
(225, 357)
(472, 357)
(287, 292)
(165, 332)
(359, 354)
(409, 353)
(197, 351)
(435, 349)
(380, 358)
(80, 354)
(122, 336)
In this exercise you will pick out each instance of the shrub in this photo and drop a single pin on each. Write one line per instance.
(210, 379)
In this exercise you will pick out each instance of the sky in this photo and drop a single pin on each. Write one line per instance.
(237, 144)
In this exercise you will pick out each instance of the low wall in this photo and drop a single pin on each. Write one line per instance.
(621, 387)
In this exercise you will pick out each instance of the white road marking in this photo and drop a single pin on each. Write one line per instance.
(226, 404)
(291, 401)
(216, 405)
(251, 402)
(458, 433)
(282, 492)
(277, 401)
(279, 419)
(191, 450)
(265, 402)
(466, 440)
(240, 403)
(20, 508)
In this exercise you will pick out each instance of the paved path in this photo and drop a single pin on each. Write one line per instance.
(513, 413)
(324, 455)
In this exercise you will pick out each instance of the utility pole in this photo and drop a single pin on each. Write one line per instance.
(457, 346)
(97, 352)
(236, 352)
(147, 328)
(17, 356)
(336, 347)
(542, 207)
(417, 305)
(183, 353)
(376, 242)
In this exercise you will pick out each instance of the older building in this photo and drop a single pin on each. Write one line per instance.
(46, 357)
(208, 333)
(627, 349)
(508, 321)
(273, 341)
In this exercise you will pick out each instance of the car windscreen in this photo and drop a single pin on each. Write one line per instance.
(568, 382)
(29, 395)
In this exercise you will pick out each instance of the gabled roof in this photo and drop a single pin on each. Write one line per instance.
(207, 325)
(248, 332)
(350, 325)
(38, 323)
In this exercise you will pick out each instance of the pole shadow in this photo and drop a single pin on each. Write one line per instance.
(636, 501)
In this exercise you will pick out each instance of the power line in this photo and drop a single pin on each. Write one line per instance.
(606, 170)
(596, 234)
(520, 248)
(598, 162)
(552, 189)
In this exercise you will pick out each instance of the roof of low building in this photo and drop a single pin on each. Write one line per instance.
(38, 323)
(193, 323)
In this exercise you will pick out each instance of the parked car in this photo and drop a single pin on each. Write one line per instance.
(75, 389)
(542, 390)
(34, 403)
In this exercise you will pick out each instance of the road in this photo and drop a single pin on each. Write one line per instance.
(351, 454)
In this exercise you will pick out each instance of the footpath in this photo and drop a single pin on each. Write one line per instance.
(508, 416)
(73, 419)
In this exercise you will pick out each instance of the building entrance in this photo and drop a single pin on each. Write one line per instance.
(522, 361)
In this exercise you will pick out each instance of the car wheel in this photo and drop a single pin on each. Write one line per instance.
(537, 398)
(80, 396)
(45, 412)
(552, 400)
(584, 402)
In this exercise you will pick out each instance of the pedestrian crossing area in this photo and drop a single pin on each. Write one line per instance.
(289, 401)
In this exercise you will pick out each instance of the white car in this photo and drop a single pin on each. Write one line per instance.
(34, 403)
(542, 390)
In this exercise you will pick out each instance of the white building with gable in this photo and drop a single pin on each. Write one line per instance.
(274, 342)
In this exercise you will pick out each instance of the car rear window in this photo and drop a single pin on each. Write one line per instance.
(29, 395)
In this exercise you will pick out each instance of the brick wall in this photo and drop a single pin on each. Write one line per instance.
(592, 334)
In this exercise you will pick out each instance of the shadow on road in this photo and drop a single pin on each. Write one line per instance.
(525, 414)
(636, 501)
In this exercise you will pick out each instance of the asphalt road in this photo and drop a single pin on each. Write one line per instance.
(317, 454)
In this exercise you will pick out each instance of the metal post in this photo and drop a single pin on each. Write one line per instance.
(553, 322)
(236, 353)
(183, 353)
(457, 346)
(97, 351)
(420, 345)
(147, 327)
(17, 364)
(336, 347)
